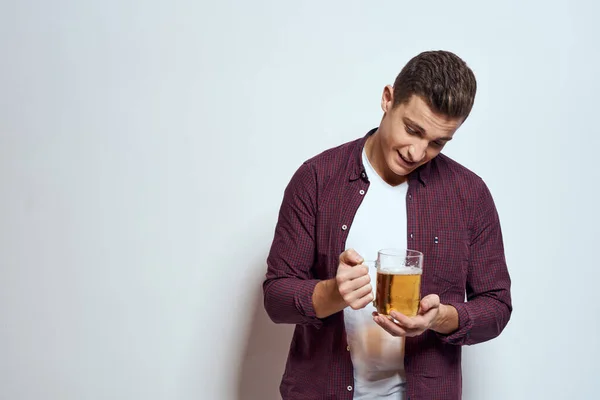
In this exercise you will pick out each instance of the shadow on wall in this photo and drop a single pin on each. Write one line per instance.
(263, 360)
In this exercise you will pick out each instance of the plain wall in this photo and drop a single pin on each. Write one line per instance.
(145, 146)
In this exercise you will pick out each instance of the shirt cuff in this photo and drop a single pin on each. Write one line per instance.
(304, 303)
(465, 324)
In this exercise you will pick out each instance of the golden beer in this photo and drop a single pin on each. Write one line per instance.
(399, 291)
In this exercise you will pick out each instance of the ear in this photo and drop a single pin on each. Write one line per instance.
(387, 98)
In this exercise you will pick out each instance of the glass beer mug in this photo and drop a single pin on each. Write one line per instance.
(398, 286)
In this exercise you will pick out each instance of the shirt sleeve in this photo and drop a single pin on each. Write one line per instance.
(289, 283)
(488, 308)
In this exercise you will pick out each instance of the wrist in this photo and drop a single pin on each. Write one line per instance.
(327, 299)
(334, 294)
(446, 320)
(439, 318)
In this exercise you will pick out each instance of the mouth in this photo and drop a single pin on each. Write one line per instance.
(405, 163)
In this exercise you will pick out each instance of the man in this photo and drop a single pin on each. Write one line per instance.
(390, 188)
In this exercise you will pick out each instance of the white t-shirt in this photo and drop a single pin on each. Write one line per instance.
(377, 357)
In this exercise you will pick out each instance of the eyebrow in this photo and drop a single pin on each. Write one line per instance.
(421, 130)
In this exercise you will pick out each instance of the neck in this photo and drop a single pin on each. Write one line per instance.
(376, 157)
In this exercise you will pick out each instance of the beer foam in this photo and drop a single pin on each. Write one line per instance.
(400, 271)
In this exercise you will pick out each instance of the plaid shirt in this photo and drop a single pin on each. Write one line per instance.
(451, 218)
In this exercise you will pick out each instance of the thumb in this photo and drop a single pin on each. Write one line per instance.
(351, 257)
(429, 302)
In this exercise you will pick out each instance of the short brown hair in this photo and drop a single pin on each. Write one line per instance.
(442, 79)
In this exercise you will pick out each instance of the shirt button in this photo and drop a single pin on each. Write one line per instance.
(344, 227)
(349, 388)
(362, 192)
(410, 196)
(348, 347)
(412, 236)
(363, 175)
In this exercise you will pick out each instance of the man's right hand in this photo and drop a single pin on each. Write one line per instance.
(353, 280)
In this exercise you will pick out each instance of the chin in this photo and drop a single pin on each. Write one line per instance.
(401, 170)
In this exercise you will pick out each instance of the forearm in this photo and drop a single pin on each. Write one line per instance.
(289, 300)
(488, 309)
(479, 320)
(489, 317)
(326, 299)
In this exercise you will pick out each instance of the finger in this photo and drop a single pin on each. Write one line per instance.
(418, 323)
(352, 294)
(357, 273)
(408, 332)
(403, 320)
(350, 274)
(429, 302)
(392, 328)
(363, 291)
(363, 301)
(351, 257)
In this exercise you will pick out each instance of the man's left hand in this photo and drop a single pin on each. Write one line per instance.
(429, 314)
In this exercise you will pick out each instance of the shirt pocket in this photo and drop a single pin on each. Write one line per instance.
(447, 262)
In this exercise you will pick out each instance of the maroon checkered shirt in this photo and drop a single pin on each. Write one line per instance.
(451, 218)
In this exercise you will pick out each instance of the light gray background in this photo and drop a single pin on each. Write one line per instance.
(145, 146)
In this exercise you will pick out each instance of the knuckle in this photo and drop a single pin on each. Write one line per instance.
(344, 291)
(342, 256)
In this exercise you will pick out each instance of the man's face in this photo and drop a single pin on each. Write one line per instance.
(411, 134)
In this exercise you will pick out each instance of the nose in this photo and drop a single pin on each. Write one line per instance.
(417, 152)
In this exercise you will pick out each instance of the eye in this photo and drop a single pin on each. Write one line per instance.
(410, 130)
(437, 144)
